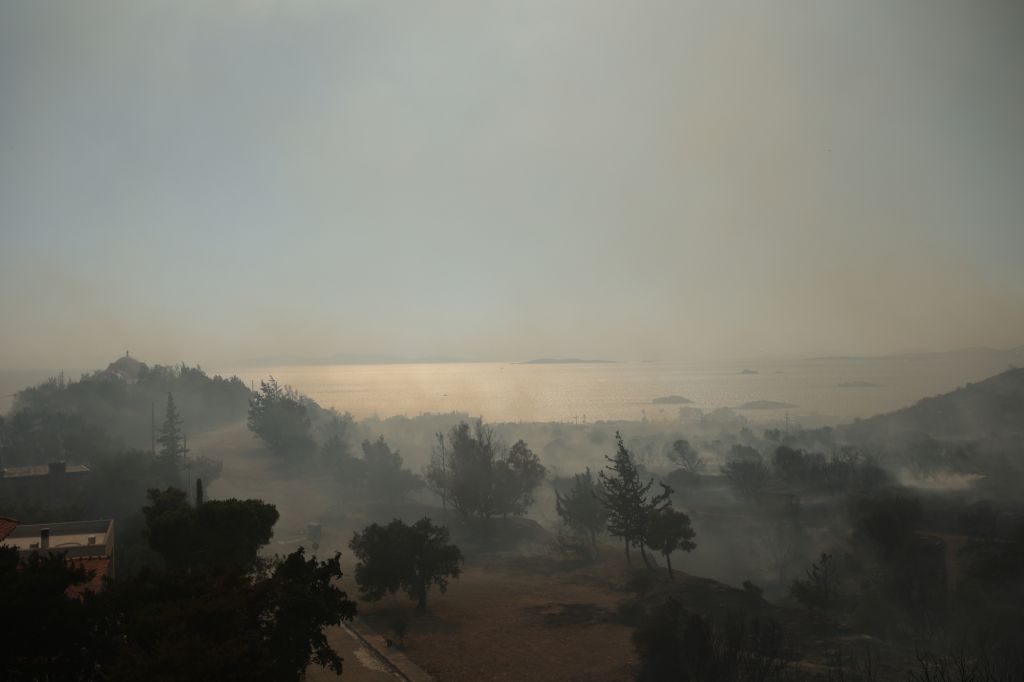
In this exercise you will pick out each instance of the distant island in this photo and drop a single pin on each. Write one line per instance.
(565, 361)
(671, 400)
(857, 384)
(765, 405)
(749, 371)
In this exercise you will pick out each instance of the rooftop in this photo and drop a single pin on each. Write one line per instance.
(76, 538)
(6, 526)
(54, 468)
(88, 544)
(98, 566)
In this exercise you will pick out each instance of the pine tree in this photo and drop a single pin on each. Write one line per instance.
(626, 499)
(280, 417)
(171, 441)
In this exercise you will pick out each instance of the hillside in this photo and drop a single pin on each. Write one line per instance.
(993, 407)
(125, 399)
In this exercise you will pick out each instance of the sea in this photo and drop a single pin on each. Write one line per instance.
(812, 392)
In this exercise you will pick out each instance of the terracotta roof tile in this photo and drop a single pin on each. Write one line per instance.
(98, 566)
(6, 526)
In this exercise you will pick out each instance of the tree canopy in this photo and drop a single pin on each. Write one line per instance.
(176, 625)
(226, 626)
(218, 533)
(684, 455)
(580, 507)
(670, 530)
(627, 500)
(747, 475)
(278, 416)
(385, 478)
(398, 556)
(120, 399)
(47, 635)
(482, 478)
(171, 436)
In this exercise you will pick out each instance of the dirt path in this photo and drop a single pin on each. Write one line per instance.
(360, 664)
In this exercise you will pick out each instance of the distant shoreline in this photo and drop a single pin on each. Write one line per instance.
(766, 405)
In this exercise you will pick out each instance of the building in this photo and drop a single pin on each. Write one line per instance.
(46, 483)
(89, 544)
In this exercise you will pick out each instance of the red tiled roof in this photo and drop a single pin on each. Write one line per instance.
(98, 566)
(6, 526)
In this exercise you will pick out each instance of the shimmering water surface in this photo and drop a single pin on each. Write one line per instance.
(569, 392)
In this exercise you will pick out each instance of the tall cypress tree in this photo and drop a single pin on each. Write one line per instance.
(171, 442)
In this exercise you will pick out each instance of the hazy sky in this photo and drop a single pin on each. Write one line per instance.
(215, 181)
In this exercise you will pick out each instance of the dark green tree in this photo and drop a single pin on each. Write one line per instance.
(231, 532)
(219, 533)
(481, 478)
(669, 530)
(402, 557)
(48, 634)
(580, 507)
(516, 475)
(627, 501)
(470, 469)
(348, 471)
(170, 526)
(384, 476)
(304, 599)
(278, 416)
(171, 438)
(224, 625)
(747, 476)
(790, 464)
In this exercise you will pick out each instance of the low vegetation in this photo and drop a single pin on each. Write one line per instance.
(828, 534)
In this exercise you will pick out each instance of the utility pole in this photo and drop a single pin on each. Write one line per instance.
(188, 465)
(444, 474)
(152, 428)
